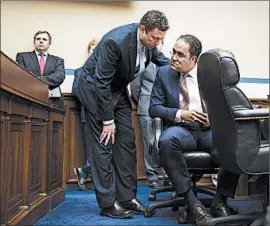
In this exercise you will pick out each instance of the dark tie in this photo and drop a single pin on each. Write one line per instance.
(184, 103)
(41, 63)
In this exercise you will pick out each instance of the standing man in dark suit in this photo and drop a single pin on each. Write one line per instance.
(48, 68)
(121, 55)
(141, 88)
(176, 100)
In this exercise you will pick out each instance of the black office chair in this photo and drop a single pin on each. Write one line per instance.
(235, 125)
(199, 162)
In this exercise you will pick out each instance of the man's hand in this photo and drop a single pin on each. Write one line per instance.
(195, 116)
(108, 133)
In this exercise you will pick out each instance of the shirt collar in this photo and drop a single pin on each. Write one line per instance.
(45, 54)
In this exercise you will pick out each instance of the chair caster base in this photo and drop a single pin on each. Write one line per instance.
(175, 208)
(152, 197)
(149, 213)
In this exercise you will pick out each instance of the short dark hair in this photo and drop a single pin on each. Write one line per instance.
(155, 19)
(195, 45)
(43, 32)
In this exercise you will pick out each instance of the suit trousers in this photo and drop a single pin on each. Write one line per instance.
(176, 140)
(113, 167)
(147, 129)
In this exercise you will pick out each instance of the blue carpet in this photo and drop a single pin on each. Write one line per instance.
(80, 208)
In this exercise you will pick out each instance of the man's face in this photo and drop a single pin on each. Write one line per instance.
(42, 43)
(181, 60)
(151, 39)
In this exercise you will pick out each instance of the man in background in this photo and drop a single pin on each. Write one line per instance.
(84, 171)
(48, 68)
(141, 88)
(121, 55)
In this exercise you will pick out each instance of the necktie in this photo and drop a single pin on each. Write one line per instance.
(184, 103)
(41, 63)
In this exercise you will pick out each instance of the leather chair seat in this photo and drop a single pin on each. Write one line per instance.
(199, 160)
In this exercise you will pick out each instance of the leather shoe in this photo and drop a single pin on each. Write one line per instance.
(222, 210)
(114, 213)
(199, 215)
(167, 183)
(81, 178)
(134, 205)
(118, 206)
(153, 185)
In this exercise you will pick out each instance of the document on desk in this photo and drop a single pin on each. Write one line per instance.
(55, 92)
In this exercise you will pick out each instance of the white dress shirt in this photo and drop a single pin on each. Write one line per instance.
(45, 55)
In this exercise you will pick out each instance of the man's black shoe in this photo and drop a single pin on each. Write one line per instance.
(81, 178)
(134, 205)
(222, 210)
(114, 213)
(118, 206)
(199, 215)
(153, 185)
(167, 182)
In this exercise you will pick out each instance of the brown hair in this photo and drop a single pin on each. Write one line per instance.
(94, 41)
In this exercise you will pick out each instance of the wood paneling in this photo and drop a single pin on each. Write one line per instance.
(31, 147)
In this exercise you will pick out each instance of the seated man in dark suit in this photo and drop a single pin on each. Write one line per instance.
(175, 99)
(48, 68)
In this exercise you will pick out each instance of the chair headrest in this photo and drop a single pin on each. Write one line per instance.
(228, 67)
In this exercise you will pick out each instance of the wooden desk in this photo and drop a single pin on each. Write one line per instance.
(31, 147)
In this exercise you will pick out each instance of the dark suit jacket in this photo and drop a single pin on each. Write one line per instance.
(164, 100)
(54, 72)
(110, 68)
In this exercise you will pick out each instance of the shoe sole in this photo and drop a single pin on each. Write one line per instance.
(76, 173)
(118, 217)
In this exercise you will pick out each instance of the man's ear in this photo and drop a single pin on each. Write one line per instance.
(194, 59)
(142, 28)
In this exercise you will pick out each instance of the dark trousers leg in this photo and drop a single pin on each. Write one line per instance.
(172, 143)
(87, 145)
(124, 152)
(102, 170)
(227, 183)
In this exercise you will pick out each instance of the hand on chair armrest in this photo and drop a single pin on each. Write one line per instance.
(249, 114)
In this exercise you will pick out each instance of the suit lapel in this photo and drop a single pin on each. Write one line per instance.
(35, 60)
(48, 63)
(175, 86)
(132, 53)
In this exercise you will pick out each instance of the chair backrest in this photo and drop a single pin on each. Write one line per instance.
(235, 143)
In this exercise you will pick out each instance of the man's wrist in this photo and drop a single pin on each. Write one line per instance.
(178, 116)
(106, 123)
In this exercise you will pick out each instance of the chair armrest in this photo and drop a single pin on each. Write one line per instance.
(249, 114)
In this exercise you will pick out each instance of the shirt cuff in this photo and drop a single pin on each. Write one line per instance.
(178, 116)
(108, 122)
